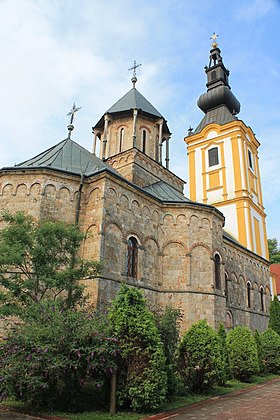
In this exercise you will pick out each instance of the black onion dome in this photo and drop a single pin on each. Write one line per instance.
(220, 95)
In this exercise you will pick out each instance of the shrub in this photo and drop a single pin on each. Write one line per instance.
(47, 359)
(274, 315)
(168, 325)
(200, 360)
(225, 372)
(242, 352)
(141, 374)
(270, 351)
(257, 338)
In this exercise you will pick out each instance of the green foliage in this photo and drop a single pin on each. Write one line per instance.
(274, 251)
(46, 360)
(242, 352)
(40, 262)
(141, 375)
(168, 325)
(225, 372)
(200, 359)
(274, 315)
(257, 338)
(270, 351)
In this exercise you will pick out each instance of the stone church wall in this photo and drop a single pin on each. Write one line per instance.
(243, 267)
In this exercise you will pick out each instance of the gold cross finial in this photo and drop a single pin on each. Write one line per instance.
(134, 67)
(214, 39)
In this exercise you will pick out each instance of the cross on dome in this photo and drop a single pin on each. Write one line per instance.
(134, 67)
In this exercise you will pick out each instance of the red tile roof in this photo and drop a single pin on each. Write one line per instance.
(275, 269)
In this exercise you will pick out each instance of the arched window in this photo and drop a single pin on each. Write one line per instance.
(132, 256)
(226, 288)
(121, 140)
(144, 139)
(262, 298)
(248, 294)
(229, 320)
(217, 261)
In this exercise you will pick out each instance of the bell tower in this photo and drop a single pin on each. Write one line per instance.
(134, 139)
(224, 161)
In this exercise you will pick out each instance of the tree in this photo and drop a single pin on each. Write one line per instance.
(274, 315)
(274, 251)
(141, 373)
(40, 261)
(45, 360)
(169, 329)
(200, 359)
(242, 353)
(270, 351)
(225, 372)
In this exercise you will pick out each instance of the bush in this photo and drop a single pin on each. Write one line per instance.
(46, 360)
(270, 351)
(200, 360)
(141, 375)
(168, 325)
(242, 352)
(225, 373)
(274, 315)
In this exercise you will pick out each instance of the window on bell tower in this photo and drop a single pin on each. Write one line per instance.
(121, 140)
(144, 139)
(250, 159)
(213, 156)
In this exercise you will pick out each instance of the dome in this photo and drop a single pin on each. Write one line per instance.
(220, 95)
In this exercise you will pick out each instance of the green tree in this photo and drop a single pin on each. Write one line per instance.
(242, 353)
(40, 261)
(141, 374)
(169, 328)
(270, 351)
(274, 251)
(200, 359)
(225, 372)
(45, 360)
(274, 315)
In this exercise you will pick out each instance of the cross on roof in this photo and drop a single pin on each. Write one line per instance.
(214, 38)
(72, 112)
(134, 67)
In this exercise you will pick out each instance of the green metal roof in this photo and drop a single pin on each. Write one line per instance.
(165, 192)
(67, 156)
(219, 115)
(134, 100)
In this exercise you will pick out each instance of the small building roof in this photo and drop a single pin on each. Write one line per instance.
(165, 192)
(66, 156)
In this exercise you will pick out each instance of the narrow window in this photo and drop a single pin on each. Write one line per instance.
(213, 75)
(132, 256)
(249, 294)
(262, 298)
(213, 156)
(121, 139)
(217, 271)
(226, 288)
(250, 158)
(144, 138)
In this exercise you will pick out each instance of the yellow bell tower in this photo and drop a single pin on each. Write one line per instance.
(224, 163)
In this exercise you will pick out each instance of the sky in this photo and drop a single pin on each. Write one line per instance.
(55, 52)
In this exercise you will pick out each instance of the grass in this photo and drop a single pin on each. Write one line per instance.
(172, 405)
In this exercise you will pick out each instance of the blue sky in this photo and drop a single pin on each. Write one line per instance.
(55, 52)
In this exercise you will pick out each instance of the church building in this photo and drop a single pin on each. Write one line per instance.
(206, 254)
